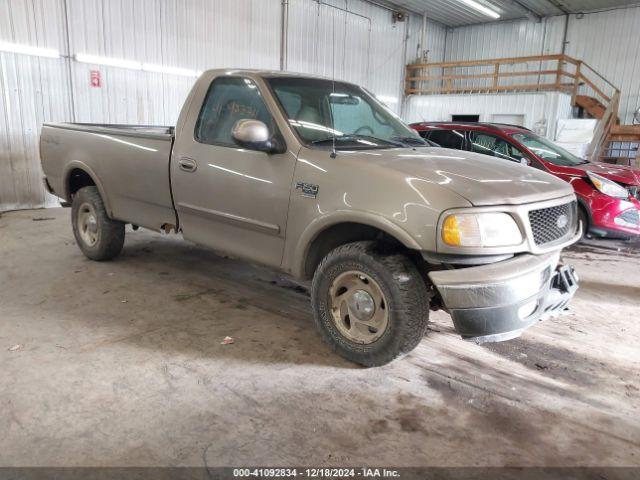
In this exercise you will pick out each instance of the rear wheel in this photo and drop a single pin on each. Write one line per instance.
(98, 236)
(369, 305)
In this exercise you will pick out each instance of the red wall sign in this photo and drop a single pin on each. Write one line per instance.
(95, 79)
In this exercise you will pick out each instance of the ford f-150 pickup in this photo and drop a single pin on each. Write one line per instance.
(319, 179)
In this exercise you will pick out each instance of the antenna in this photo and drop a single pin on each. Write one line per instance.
(333, 86)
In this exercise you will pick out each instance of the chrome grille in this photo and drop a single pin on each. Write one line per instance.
(553, 223)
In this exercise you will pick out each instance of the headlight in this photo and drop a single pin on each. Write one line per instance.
(481, 230)
(607, 186)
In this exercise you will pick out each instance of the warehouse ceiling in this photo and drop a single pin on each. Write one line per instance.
(454, 13)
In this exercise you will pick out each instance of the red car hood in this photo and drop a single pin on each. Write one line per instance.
(617, 173)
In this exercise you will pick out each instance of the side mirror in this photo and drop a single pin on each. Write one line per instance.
(254, 135)
(525, 161)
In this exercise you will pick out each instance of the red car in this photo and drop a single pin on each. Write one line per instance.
(608, 195)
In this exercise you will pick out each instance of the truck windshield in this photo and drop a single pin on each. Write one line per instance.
(321, 112)
(548, 151)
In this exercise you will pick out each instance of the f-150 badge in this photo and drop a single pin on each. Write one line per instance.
(308, 189)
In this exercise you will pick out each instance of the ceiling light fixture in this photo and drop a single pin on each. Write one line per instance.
(108, 61)
(28, 50)
(481, 8)
(133, 65)
(185, 72)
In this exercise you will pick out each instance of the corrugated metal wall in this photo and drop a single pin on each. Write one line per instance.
(545, 107)
(32, 90)
(608, 41)
(434, 41)
(329, 39)
(505, 39)
(196, 34)
(370, 49)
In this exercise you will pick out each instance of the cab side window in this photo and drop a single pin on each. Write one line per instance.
(495, 146)
(228, 100)
(448, 138)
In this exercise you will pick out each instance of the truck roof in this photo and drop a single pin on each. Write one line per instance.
(266, 73)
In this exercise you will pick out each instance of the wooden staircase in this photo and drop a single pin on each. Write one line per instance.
(591, 94)
(621, 145)
(590, 106)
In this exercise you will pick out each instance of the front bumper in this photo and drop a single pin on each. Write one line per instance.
(614, 217)
(496, 302)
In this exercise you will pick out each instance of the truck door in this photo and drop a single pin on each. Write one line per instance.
(229, 198)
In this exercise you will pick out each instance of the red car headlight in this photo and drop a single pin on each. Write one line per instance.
(608, 187)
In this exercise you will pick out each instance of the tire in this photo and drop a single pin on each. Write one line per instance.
(584, 218)
(404, 303)
(99, 237)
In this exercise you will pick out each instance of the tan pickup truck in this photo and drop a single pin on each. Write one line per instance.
(320, 180)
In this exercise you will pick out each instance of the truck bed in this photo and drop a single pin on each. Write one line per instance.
(128, 163)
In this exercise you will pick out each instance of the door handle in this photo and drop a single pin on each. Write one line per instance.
(187, 165)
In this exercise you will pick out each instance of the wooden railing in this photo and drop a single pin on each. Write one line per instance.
(603, 129)
(520, 74)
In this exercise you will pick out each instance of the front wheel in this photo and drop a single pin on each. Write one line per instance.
(98, 236)
(370, 306)
(584, 218)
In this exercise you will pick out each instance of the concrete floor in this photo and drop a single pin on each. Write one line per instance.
(121, 364)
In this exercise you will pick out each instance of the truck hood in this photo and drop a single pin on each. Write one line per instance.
(480, 179)
(618, 173)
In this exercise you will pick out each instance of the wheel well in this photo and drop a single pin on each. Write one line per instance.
(583, 208)
(78, 178)
(340, 234)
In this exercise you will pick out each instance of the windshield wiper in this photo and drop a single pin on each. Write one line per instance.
(354, 138)
(412, 141)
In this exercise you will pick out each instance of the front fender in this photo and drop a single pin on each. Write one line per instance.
(320, 224)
